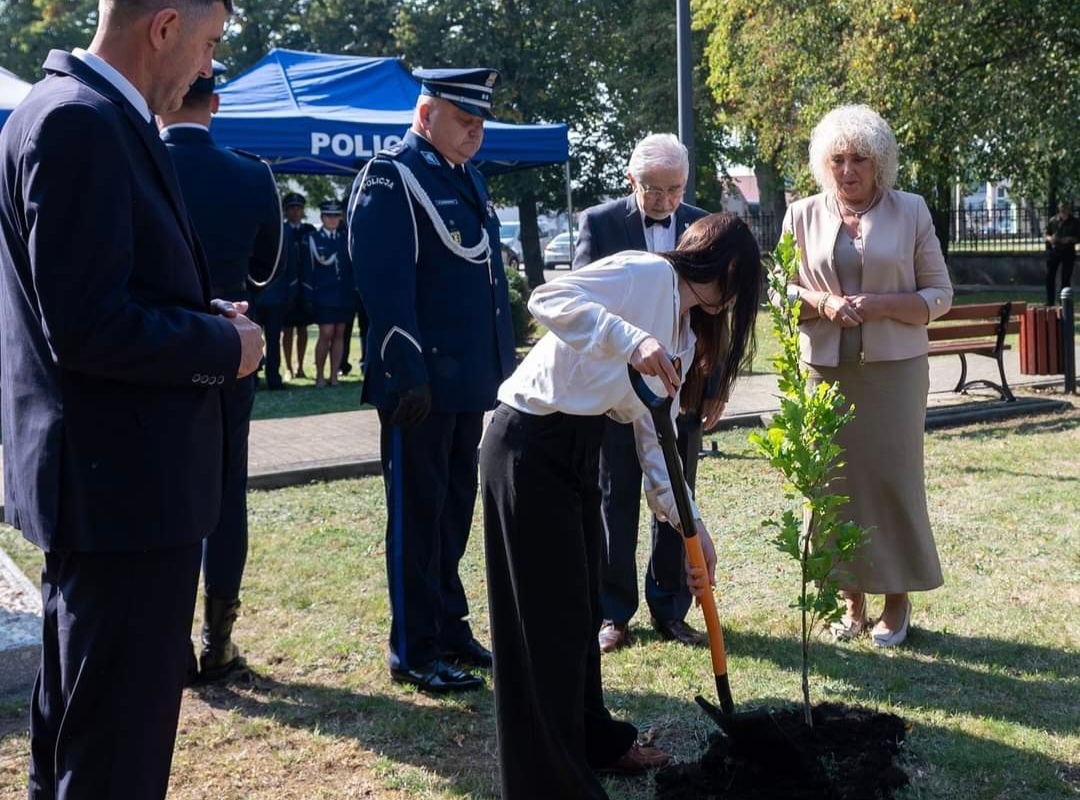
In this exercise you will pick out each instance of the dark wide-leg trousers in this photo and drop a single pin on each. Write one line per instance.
(115, 643)
(666, 593)
(429, 474)
(542, 529)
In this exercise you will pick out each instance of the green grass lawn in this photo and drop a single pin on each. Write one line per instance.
(989, 680)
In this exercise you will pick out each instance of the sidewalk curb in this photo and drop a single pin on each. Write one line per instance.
(20, 629)
(310, 472)
(936, 419)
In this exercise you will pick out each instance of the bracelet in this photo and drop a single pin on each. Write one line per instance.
(821, 303)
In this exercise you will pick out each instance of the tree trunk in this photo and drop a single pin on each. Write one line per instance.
(530, 240)
(772, 202)
(940, 207)
(1052, 186)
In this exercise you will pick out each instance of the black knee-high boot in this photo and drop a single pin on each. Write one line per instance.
(220, 656)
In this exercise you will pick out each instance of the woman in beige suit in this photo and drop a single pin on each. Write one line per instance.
(871, 277)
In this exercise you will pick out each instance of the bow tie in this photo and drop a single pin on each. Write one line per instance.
(663, 223)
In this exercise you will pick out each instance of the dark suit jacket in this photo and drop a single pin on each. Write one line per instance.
(234, 208)
(616, 225)
(112, 365)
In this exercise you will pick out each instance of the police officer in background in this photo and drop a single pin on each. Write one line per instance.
(285, 292)
(333, 298)
(424, 241)
(233, 202)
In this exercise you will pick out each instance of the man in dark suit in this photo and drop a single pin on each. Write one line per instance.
(233, 201)
(651, 218)
(424, 241)
(114, 363)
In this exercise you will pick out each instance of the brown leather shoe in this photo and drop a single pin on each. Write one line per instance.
(614, 635)
(638, 760)
(676, 630)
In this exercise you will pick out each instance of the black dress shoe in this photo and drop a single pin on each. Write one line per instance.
(613, 635)
(677, 630)
(438, 678)
(469, 654)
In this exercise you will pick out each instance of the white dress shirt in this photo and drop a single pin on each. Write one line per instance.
(596, 317)
(658, 238)
(113, 76)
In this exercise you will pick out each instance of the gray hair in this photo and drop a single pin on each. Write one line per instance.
(853, 128)
(658, 151)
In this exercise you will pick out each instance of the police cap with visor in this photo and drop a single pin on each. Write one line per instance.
(203, 85)
(468, 89)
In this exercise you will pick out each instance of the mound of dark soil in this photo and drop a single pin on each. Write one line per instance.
(773, 755)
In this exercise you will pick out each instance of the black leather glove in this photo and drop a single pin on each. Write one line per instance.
(413, 407)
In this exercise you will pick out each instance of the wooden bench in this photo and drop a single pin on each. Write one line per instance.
(978, 329)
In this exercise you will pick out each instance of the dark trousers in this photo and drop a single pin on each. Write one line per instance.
(225, 549)
(666, 593)
(272, 319)
(542, 535)
(115, 644)
(429, 474)
(1066, 259)
(361, 317)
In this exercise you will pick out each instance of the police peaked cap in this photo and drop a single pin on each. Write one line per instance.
(331, 208)
(203, 85)
(293, 199)
(468, 89)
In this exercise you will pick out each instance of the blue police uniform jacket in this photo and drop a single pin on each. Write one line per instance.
(327, 262)
(245, 242)
(435, 316)
(291, 282)
(112, 364)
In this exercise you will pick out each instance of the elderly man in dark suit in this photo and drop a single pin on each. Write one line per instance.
(234, 207)
(114, 363)
(651, 218)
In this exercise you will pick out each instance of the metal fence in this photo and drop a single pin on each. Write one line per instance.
(1013, 228)
(1009, 228)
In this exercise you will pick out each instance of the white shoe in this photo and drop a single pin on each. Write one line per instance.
(893, 638)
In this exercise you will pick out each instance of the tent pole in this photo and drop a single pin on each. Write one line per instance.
(569, 209)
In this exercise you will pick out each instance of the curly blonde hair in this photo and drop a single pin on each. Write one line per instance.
(853, 128)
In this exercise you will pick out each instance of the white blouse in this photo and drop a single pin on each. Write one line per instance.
(596, 317)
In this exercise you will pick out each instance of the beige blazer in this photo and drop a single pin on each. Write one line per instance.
(900, 254)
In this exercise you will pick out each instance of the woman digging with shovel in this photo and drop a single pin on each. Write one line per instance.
(539, 468)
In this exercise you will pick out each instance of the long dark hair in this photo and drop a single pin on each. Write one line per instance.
(720, 248)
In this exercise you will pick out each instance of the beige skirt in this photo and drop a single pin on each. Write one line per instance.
(883, 475)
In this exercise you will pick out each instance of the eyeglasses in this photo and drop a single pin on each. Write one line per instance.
(656, 192)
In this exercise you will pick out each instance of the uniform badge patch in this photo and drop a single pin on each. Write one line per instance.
(449, 201)
(377, 180)
(431, 158)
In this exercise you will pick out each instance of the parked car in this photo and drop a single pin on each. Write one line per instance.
(558, 252)
(510, 235)
(510, 258)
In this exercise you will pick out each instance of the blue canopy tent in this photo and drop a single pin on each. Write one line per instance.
(315, 113)
(12, 91)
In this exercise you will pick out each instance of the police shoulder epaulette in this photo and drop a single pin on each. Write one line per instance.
(393, 150)
(245, 153)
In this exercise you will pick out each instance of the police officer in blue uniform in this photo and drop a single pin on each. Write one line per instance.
(288, 288)
(424, 241)
(233, 202)
(333, 296)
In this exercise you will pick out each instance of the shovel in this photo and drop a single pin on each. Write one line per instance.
(660, 410)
